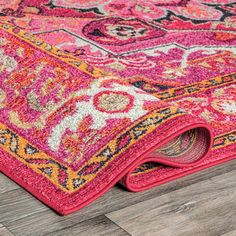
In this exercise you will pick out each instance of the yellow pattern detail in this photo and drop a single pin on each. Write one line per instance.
(16, 146)
(54, 51)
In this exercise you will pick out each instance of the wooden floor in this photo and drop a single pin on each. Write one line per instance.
(203, 204)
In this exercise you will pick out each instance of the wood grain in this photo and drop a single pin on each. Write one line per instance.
(4, 231)
(22, 214)
(100, 226)
(207, 208)
(6, 184)
(17, 204)
(231, 233)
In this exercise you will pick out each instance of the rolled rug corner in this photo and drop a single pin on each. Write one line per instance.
(69, 132)
(184, 141)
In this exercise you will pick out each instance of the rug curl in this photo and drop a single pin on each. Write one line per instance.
(136, 100)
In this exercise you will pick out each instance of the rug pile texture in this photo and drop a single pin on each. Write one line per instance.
(97, 92)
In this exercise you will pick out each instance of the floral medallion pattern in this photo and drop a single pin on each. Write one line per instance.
(117, 31)
(148, 10)
(106, 82)
(159, 40)
(106, 99)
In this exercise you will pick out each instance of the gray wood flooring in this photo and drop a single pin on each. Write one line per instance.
(202, 204)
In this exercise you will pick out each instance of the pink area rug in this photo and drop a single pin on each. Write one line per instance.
(98, 92)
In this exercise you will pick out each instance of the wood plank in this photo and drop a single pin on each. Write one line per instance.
(231, 233)
(98, 226)
(7, 184)
(207, 208)
(4, 231)
(44, 220)
(18, 204)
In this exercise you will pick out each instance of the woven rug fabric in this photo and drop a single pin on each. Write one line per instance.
(93, 93)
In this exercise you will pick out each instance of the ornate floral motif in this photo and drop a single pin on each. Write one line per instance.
(129, 75)
(227, 107)
(113, 102)
(118, 31)
(6, 62)
(195, 10)
(149, 10)
(77, 3)
(107, 98)
(213, 106)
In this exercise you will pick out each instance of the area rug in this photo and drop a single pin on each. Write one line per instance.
(94, 93)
